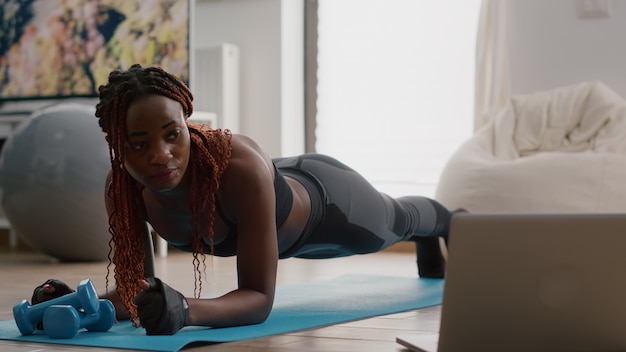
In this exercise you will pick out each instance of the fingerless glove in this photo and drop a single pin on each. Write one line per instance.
(50, 289)
(57, 288)
(161, 309)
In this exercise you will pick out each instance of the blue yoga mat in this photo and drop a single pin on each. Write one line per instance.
(297, 307)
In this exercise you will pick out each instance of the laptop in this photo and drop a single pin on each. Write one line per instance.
(532, 282)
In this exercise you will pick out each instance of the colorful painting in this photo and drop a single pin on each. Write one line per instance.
(66, 48)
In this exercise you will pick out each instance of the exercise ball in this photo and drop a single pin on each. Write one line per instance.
(52, 176)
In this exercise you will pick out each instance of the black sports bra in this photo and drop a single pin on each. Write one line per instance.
(228, 247)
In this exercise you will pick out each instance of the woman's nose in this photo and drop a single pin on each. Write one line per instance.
(160, 154)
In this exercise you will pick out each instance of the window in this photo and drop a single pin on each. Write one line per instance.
(395, 87)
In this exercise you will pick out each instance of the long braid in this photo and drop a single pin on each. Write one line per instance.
(210, 149)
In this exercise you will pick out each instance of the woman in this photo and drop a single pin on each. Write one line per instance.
(211, 192)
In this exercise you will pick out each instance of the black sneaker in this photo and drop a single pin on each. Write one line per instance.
(432, 253)
(431, 262)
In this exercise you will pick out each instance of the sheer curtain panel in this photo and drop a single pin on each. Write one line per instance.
(395, 87)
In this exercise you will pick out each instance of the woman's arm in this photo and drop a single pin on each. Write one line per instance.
(148, 261)
(248, 196)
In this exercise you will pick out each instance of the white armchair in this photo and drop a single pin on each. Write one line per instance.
(562, 150)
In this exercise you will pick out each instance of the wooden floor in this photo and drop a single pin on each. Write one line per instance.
(22, 270)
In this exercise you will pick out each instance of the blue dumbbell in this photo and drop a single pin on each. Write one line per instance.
(64, 321)
(27, 316)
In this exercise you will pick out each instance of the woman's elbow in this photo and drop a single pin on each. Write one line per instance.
(262, 313)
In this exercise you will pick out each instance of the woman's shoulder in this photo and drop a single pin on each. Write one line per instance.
(248, 151)
(249, 174)
(248, 162)
(241, 140)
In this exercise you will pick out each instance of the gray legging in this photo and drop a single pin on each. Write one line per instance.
(349, 216)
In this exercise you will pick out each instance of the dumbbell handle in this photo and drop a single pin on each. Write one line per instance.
(27, 316)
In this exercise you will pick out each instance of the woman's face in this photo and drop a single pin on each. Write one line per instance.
(157, 149)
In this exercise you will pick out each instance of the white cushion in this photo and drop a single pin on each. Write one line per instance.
(556, 151)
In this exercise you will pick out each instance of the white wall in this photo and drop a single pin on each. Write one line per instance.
(549, 46)
(269, 34)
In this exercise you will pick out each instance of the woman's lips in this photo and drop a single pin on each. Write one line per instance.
(164, 175)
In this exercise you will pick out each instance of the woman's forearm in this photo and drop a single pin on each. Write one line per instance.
(121, 313)
(239, 307)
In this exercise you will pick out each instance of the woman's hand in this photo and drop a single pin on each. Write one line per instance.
(50, 289)
(161, 309)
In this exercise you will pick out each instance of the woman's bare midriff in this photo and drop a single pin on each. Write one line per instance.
(293, 227)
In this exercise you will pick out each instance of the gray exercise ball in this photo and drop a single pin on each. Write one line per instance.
(52, 176)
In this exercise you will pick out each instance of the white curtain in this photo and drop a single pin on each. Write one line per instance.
(396, 87)
(492, 88)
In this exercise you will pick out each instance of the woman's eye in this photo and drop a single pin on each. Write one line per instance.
(137, 146)
(174, 134)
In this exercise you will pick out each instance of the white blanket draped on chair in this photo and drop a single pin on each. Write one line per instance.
(562, 150)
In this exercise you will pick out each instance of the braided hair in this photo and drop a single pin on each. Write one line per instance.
(210, 152)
